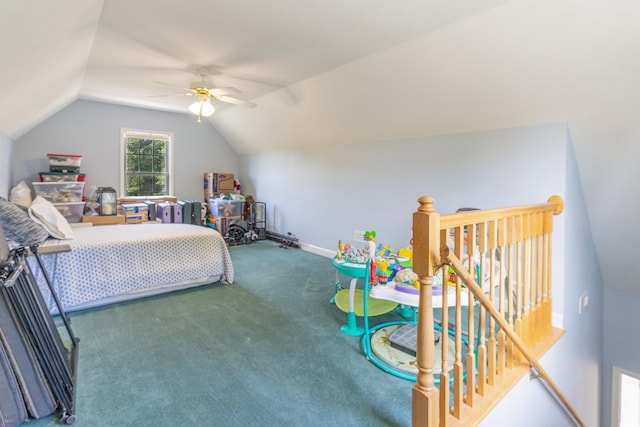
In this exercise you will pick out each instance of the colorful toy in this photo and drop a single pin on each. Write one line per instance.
(395, 270)
(382, 270)
(406, 253)
(384, 251)
(369, 237)
(408, 277)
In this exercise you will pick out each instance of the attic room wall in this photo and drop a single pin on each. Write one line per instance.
(621, 342)
(92, 129)
(574, 362)
(5, 171)
(323, 194)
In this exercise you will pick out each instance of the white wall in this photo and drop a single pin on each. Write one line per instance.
(323, 194)
(5, 165)
(376, 185)
(92, 129)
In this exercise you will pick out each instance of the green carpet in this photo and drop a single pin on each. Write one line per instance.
(264, 351)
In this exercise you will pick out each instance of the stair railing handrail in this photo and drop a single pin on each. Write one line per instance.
(428, 408)
(453, 261)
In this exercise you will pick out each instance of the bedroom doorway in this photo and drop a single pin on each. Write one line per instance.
(626, 398)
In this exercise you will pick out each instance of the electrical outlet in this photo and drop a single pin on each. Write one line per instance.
(358, 236)
(583, 302)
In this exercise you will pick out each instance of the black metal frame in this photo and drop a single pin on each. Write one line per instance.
(58, 364)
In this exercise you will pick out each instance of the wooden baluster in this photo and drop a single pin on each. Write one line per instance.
(518, 281)
(534, 278)
(559, 207)
(531, 281)
(502, 241)
(471, 357)
(482, 348)
(528, 289)
(540, 327)
(458, 367)
(532, 285)
(491, 356)
(426, 254)
(546, 273)
(511, 241)
(445, 385)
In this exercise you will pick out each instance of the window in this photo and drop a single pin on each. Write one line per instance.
(626, 398)
(145, 162)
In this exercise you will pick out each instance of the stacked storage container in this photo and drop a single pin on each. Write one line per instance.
(135, 213)
(225, 212)
(63, 185)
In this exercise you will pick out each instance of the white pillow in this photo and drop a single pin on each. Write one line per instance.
(43, 212)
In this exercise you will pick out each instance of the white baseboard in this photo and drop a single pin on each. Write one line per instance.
(557, 320)
(317, 250)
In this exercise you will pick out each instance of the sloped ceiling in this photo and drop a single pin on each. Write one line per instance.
(334, 71)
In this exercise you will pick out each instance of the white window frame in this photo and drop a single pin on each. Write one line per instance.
(126, 133)
(616, 397)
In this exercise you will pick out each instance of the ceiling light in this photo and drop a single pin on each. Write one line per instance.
(202, 108)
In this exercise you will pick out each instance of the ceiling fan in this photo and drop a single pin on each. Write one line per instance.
(204, 91)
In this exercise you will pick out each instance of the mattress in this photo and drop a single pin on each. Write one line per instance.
(114, 263)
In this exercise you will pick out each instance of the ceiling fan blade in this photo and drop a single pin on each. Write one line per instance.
(166, 95)
(221, 91)
(236, 101)
(172, 85)
(170, 94)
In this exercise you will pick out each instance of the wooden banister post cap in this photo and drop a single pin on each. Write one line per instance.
(557, 200)
(426, 204)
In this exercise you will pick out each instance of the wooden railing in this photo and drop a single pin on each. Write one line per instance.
(500, 260)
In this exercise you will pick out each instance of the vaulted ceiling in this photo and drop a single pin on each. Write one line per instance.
(335, 71)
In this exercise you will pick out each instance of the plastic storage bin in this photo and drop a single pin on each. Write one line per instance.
(225, 208)
(58, 177)
(64, 160)
(65, 169)
(59, 192)
(71, 211)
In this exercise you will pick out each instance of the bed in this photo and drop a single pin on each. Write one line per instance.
(114, 263)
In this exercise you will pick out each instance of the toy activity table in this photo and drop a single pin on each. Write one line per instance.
(352, 300)
(376, 300)
(386, 360)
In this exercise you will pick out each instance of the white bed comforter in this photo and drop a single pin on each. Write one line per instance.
(118, 262)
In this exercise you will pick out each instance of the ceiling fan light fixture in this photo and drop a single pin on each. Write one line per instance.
(202, 108)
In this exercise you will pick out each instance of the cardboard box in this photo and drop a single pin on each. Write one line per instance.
(224, 182)
(104, 220)
(134, 207)
(216, 182)
(222, 224)
(135, 218)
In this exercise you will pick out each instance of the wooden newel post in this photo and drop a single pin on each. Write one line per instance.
(426, 254)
